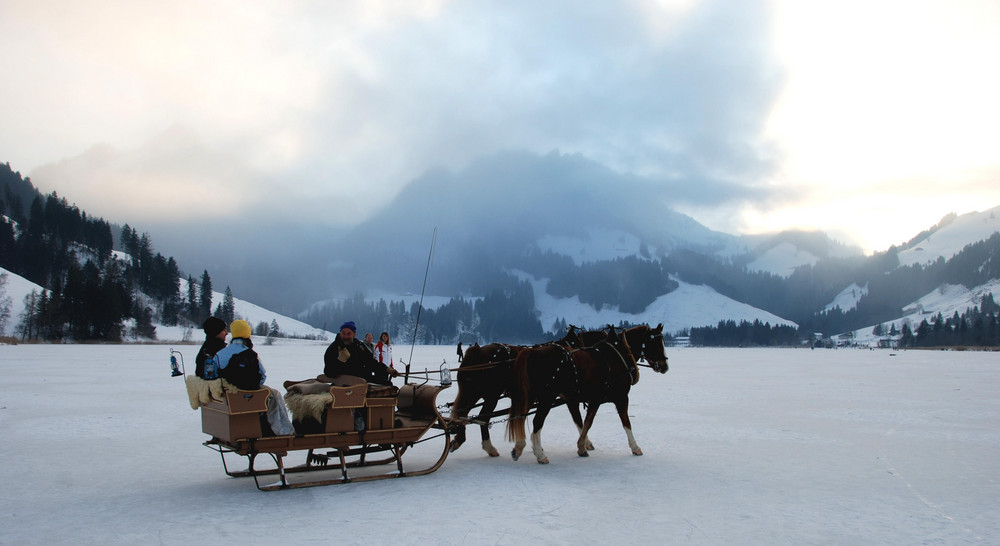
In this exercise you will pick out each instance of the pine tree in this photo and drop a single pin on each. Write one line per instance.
(205, 297)
(192, 300)
(227, 312)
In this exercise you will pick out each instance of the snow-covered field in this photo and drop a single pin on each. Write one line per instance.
(98, 445)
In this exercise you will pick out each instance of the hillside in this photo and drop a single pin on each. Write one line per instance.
(18, 287)
(949, 236)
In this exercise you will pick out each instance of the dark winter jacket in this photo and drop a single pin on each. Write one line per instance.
(361, 363)
(211, 346)
(240, 365)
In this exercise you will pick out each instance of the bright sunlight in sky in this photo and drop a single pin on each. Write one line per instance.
(867, 119)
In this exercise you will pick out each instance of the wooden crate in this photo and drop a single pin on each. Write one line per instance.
(381, 412)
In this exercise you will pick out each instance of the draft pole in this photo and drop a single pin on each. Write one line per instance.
(420, 306)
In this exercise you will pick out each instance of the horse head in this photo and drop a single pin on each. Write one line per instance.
(647, 344)
(571, 339)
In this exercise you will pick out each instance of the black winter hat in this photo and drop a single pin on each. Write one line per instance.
(213, 326)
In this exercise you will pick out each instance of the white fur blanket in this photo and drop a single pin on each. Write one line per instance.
(308, 398)
(302, 406)
(201, 391)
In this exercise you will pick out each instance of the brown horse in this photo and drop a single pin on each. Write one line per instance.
(593, 375)
(486, 373)
(646, 344)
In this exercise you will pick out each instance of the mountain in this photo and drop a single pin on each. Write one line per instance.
(490, 214)
(524, 244)
(782, 253)
(947, 238)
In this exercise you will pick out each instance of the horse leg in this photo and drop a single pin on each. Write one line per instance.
(581, 444)
(489, 404)
(458, 413)
(536, 432)
(459, 438)
(574, 411)
(622, 406)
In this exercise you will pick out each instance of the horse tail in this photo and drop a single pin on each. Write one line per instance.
(519, 402)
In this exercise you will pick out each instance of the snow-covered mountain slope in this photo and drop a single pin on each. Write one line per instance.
(782, 253)
(18, 287)
(950, 236)
(252, 313)
(848, 298)
(946, 300)
(687, 306)
(593, 245)
(782, 260)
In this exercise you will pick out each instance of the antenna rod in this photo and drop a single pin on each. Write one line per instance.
(420, 307)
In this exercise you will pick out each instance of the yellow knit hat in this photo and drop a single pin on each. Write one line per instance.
(240, 328)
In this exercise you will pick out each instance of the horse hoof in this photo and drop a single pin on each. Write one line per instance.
(590, 446)
(514, 454)
(543, 461)
(494, 453)
(637, 452)
(583, 453)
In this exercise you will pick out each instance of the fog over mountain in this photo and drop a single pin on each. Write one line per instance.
(497, 208)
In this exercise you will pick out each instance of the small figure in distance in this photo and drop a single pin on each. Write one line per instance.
(348, 355)
(370, 341)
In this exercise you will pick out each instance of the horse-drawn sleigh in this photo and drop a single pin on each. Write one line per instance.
(342, 424)
(353, 427)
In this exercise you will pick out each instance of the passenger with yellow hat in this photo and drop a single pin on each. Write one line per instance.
(240, 365)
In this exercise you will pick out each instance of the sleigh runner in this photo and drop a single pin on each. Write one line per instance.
(353, 431)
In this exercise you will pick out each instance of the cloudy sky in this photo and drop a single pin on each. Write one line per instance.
(864, 118)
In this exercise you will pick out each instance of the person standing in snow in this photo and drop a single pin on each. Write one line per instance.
(383, 351)
(239, 364)
(215, 341)
(369, 340)
(348, 355)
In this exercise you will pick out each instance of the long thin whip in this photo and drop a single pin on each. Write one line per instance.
(420, 307)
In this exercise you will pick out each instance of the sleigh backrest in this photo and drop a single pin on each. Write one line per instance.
(237, 416)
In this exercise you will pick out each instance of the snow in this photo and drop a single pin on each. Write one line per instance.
(953, 237)
(16, 289)
(951, 298)
(782, 260)
(750, 446)
(689, 305)
(848, 298)
(593, 245)
(252, 313)
(947, 299)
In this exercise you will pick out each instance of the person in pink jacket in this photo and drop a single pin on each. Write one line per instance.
(383, 350)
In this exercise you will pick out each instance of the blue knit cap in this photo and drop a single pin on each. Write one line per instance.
(349, 324)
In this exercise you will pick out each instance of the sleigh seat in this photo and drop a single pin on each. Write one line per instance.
(340, 405)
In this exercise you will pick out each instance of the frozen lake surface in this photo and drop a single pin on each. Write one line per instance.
(748, 446)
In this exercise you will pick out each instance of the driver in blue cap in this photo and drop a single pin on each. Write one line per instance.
(347, 355)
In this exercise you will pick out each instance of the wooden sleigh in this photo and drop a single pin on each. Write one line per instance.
(390, 427)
